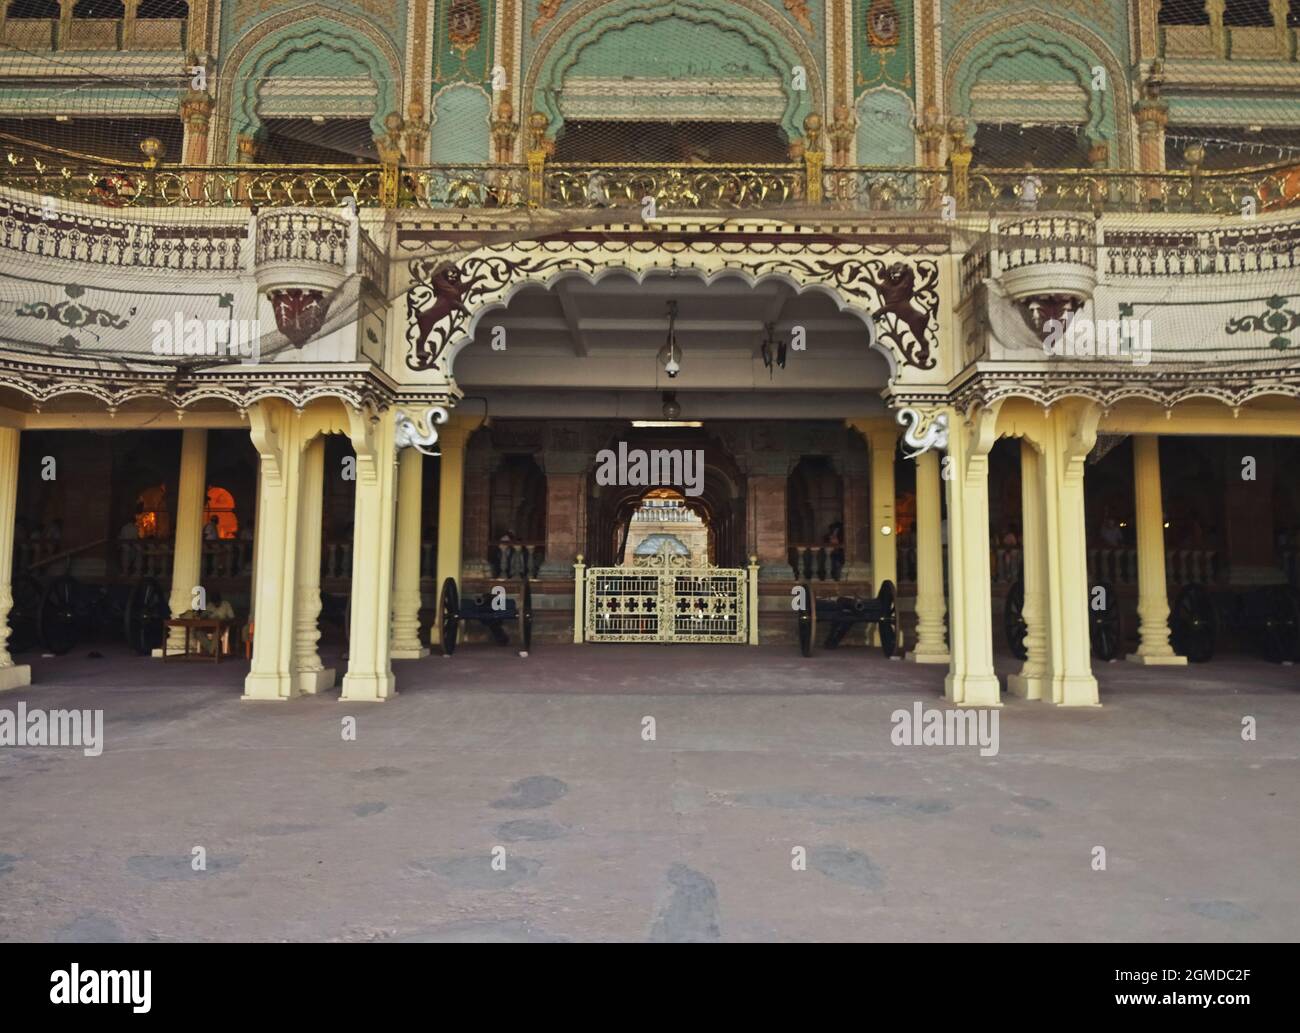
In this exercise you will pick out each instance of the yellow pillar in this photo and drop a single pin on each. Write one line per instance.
(276, 430)
(406, 573)
(12, 676)
(1153, 595)
(882, 439)
(1033, 680)
(971, 680)
(931, 645)
(370, 669)
(452, 438)
(310, 674)
(1071, 433)
(187, 553)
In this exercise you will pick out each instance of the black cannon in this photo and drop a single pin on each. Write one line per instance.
(1105, 625)
(453, 610)
(61, 612)
(1268, 617)
(844, 612)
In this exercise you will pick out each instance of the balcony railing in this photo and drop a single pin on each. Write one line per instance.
(52, 173)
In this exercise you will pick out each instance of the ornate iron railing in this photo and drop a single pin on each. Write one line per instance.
(949, 192)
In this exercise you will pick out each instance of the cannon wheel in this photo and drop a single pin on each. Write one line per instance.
(449, 615)
(525, 617)
(56, 619)
(1193, 624)
(144, 618)
(24, 615)
(888, 624)
(1277, 624)
(1013, 621)
(808, 620)
(1105, 627)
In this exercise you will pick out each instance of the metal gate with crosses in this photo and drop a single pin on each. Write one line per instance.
(665, 598)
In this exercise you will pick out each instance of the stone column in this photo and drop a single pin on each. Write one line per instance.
(478, 508)
(452, 438)
(857, 513)
(370, 669)
(566, 512)
(1032, 682)
(187, 554)
(1070, 434)
(931, 645)
(1153, 593)
(971, 679)
(406, 573)
(276, 432)
(310, 674)
(12, 676)
(196, 116)
(767, 518)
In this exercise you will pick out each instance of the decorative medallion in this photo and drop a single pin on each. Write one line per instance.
(464, 25)
(547, 10)
(882, 24)
(799, 12)
(299, 314)
(1276, 320)
(73, 314)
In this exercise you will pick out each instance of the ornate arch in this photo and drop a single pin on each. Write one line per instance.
(755, 20)
(340, 31)
(898, 302)
(1077, 51)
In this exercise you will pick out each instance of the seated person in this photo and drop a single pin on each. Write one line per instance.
(218, 609)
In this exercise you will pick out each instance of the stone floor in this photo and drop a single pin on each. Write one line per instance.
(687, 837)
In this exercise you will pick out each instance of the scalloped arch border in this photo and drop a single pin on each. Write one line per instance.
(752, 19)
(355, 35)
(1080, 43)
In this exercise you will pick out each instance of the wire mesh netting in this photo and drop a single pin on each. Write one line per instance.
(118, 158)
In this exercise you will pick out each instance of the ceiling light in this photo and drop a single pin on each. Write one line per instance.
(671, 353)
(672, 409)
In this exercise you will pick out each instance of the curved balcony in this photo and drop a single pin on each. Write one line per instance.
(1046, 255)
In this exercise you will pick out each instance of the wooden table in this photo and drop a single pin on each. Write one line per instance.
(215, 625)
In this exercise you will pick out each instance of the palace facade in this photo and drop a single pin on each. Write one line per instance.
(328, 307)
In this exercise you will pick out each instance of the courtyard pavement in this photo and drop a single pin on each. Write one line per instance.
(691, 836)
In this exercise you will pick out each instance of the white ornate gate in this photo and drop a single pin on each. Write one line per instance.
(665, 598)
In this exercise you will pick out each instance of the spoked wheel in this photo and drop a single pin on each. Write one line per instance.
(1105, 628)
(1193, 625)
(525, 618)
(1274, 616)
(807, 620)
(888, 624)
(145, 619)
(449, 615)
(58, 623)
(23, 634)
(1013, 621)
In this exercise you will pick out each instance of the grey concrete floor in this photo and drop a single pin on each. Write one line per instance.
(688, 837)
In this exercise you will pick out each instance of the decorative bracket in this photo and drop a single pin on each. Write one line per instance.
(922, 433)
(412, 435)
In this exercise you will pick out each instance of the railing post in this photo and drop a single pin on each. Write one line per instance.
(579, 595)
(752, 604)
(537, 150)
(959, 158)
(813, 158)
